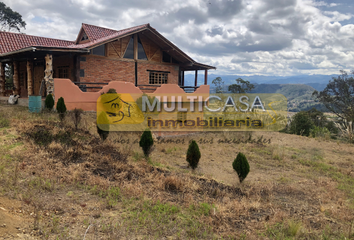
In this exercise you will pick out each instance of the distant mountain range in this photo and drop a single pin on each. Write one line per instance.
(297, 89)
(318, 82)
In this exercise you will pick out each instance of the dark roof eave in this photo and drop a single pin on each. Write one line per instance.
(207, 67)
(55, 49)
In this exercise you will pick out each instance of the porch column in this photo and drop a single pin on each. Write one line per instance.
(16, 79)
(196, 78)
(29, 78)
(206, 77)
(48, 77)
(182, 78)
(2, 79)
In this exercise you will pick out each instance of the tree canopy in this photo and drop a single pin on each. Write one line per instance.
(9, 19)
(338, 96)
(219, 85)
(241, 86)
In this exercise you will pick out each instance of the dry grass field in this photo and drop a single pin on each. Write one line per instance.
(58, 183)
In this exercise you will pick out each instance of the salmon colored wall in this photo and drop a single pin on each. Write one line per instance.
(75, 98)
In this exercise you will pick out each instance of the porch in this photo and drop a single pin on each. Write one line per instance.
(21, 101)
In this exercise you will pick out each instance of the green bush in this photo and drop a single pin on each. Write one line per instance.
(301, 124)
(146, 142)
(61, 108)
(241, 166)
(49, 102)
(320, 132)
(103, 126)
(193, 154)
(112, 90)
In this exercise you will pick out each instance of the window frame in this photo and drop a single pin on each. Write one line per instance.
(159, 77)
(60, 71)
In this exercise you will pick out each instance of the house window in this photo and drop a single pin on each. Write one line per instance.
(63, 72)
(82, 72)
(84, 37)
(100, 50)
(158, 77)
(141, 51)
(166, 57)
(129, 53)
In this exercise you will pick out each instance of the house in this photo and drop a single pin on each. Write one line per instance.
(139, 55)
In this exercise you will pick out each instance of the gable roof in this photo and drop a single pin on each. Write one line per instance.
(11, 43)
(99, 35)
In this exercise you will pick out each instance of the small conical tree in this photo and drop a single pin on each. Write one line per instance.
(103, 126)
(193, 154)
(61, 108)
(241, 166)
(146, 142)
(49, 102)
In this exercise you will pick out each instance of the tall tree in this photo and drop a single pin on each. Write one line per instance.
(241, 86)
(338, 96)
(219, 85)
(9, 19)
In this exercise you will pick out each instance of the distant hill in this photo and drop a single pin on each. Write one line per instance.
(297, 89)
(299, 95)
(318, 82)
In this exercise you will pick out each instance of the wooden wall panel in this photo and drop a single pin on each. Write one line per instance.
(153, 52)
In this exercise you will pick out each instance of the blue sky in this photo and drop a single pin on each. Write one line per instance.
(241, 37)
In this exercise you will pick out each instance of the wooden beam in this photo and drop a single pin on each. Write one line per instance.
(182, 78)
(206, 77)
(115, 49)
(196, 78)
(2, 79)
(49, 81)
(135, 46)
(29, 78)
(16, 79)
(77, 68)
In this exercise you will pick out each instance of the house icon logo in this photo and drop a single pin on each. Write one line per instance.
(114, 108)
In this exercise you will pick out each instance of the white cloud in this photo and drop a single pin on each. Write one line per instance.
(274, 37)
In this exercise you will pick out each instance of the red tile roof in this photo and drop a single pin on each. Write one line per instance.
(94, 32)
(100, 34)
(14, 41)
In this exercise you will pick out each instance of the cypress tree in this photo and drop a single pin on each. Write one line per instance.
(103, 126)
(146, 142)
(49, 102)
(241, 166)
(61, 108)
(193, 154)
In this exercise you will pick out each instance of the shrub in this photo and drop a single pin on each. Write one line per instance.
(241, 166)
(112, 90)
(61, 108)
(76, 116)
(49, 102)
(103, 126)
(146, 142)
(301, 124)
(193, 154)
(320, 132)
